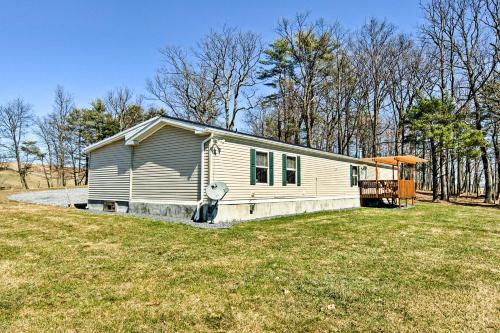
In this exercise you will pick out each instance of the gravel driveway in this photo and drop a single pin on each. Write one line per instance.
(61, 198)
(79, 196)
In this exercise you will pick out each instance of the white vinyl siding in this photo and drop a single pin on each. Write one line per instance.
(167, 166)
(109, 172)
(320, 176)
(206, 166)
(384, 172)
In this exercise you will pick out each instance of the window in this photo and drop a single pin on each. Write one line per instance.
(363, 173)
(262, 167)
(404, 172)
(291, 170)
(354, 175)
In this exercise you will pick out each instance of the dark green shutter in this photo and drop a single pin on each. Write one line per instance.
(352, 180)
(298, 170)
(271, 168)
(252, 166)
(359, 175)
(283, 169)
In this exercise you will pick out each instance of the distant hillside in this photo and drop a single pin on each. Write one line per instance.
(37, 168)
(9, 178)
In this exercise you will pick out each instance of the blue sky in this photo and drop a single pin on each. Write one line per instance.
(90, 47)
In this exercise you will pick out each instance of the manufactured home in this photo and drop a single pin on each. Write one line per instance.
(163, 167)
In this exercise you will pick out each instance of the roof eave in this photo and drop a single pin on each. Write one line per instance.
(145, 132)
(118, 136)
(136, 134)
(292, 147)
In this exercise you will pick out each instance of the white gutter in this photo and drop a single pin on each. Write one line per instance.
(202, 169)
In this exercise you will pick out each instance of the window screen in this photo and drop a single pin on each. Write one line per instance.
(291, 169)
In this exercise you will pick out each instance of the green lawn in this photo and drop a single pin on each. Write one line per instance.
(431, 268)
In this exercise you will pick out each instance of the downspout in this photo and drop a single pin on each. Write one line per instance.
(130, 174)
(202, 172)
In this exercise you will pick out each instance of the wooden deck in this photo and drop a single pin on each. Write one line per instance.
(402, 185)
(387, 189)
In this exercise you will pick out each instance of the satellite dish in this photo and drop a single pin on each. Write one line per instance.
(216, 190)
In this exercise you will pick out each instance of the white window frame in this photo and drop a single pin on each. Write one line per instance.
(262, 167)
(357, 168)
(295, 157)
(363, 170)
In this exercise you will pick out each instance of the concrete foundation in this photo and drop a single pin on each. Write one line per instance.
(173, 211)
(261, 210)
(233, 212)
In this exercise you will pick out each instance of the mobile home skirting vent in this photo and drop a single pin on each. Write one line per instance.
(109, 206)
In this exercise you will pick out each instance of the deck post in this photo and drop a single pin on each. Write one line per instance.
(399, 186)
(376, 178)
(414, 185)
(393, 202)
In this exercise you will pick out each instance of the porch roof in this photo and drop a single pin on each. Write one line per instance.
(394, 160)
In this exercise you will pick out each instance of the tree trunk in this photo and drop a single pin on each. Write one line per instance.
(442, 175)
(459, 176)
(423, 169)
(45, 174)
(476, 177)
(87, 170)
(434, 172)
(484, 156)
(20, 170)
(467, 175)
(496, 148)
(452, 190)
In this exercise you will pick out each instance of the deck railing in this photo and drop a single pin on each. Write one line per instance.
(378, 189)
(406, 189)
(403, 189)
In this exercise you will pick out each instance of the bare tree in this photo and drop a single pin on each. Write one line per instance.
(46, 134)
(337, 111)
(122, 104)
(15, 120)
(262, 121)
(310, 47)
(375, 59)
(219, 81)
(187, 90)
(477, 51)
(58, 119)
(410, 75)
(232, 55)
